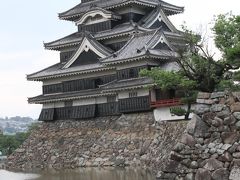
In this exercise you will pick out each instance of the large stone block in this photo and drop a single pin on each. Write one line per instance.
(188, 140)
(201, 109)
(230, 137)
(176, 156)
(213, 164)
(189, 176)
(172, 166)
(217, 95)
(220, 174)
(203, 95)
(226, 157)
(197, 127)
(229, 120)
(235, 107)
(236, 155)
(235, 173)
(217, 107)
(203, 174)
(237, 115)
(205, 101)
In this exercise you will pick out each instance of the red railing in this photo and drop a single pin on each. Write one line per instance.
(166, 102)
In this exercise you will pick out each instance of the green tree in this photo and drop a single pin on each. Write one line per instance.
(198, 70)
(227, 40)
(174, 80)
(9, 143)
(197, 64)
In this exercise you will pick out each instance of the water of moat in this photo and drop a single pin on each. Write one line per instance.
(81, 174)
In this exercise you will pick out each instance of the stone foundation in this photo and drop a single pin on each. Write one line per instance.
(210, 147)
(127, 140)
(207, 147)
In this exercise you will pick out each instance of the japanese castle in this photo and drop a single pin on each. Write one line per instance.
(98, 71)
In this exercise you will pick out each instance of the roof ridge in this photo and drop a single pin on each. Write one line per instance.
(109, 4)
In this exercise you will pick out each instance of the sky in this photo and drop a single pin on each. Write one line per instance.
(26, 24)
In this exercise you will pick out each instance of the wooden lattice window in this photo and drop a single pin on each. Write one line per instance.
(133, 94)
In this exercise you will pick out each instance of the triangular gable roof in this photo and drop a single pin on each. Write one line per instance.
(87, 44)
(157, 15)
(142, 45)
(74, 13)
(161, 38)
(76, 38)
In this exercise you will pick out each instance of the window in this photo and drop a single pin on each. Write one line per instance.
(133, 94)
(131, 73)
(68, 103)
(98, 82)
(111, 99)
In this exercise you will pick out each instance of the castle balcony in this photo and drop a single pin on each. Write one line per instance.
(166, 103)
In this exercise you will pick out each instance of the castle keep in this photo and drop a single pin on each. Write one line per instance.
(98, 72)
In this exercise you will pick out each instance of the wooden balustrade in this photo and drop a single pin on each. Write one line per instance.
(166, 102)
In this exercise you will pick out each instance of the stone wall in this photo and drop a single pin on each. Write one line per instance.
(210, 147)
(127, 140)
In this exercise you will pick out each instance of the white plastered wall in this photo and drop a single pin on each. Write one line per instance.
(101, 100)
(153, 95)
(82, 102)
(53, 105)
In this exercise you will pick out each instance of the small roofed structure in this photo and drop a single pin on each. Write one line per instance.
(98, 71)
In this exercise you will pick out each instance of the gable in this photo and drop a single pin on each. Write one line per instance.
(88, 53)
(158, 24)
(162, 44)
(159, 19)
(86, 58)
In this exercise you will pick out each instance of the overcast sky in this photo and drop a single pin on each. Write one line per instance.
(26, 24)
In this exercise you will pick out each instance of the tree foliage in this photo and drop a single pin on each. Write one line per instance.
(9, 143)
(169, 79)
(197, 63)
(198, 70)
(166, 80)
(227, 40)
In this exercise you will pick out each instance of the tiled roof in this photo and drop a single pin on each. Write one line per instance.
(152, 17)
(76, 38)
(100, 47)
(122, 29)
(138, 47)
(72, 39)
(76, 11)
(67, 96)
(57, 71)
(127, 84)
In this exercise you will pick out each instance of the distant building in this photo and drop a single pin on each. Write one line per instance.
(98, 72)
